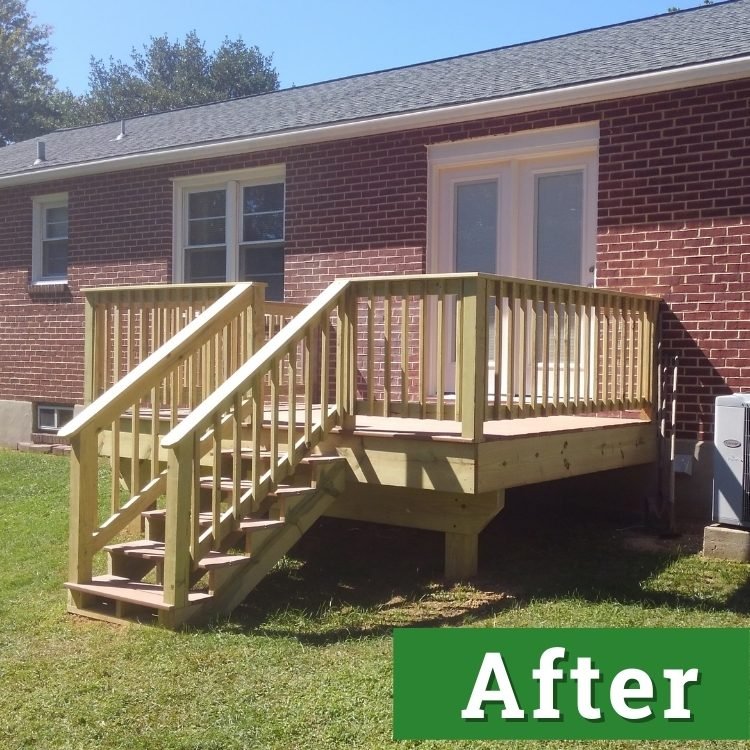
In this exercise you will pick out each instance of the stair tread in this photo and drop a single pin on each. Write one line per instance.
(322, 459)
(155, 550)
(141, 544)
(251, 524)
(226, 483)
(132, 592)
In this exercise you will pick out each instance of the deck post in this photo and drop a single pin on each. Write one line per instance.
(256, 329)
(461, 555)
(346, 370)
(90, 345)
(84, 500)
(178, 524)
(474, 358)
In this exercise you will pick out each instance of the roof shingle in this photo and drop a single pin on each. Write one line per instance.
(704, 34)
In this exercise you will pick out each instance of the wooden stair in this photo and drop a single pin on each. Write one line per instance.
(222, 578)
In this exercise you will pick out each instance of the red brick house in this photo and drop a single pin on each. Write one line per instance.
(617, 156)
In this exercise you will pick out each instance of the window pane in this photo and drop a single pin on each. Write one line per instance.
(263, 227)
(259, 198)
(54, 259)
(56, 223)
(209, 264)
(206, 231)
(476, 226)
(559, 227)
(264, 264)
(209, 204)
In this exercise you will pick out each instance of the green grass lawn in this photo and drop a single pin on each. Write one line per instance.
(306, 662)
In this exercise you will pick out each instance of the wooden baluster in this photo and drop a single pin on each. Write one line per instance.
(523, 333)
(404, 353)
(387, 351)
(155, 420)
(256, 410)
(567, 359)
(274, 439)
(216, 480)
(440, 350)
(587, 344)
(325, 374)
(498, 291)
(421, 365)
(370, 348)
(578, 311)
(511, 359)
(458, 378)
(307, 344)
(545, 348)
(135, 453)
(115, 464)
(236, 454)
(292, 400)
(533, 386)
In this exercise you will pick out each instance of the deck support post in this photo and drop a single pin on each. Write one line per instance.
(461, 555)
(473, 371)
(177, 533)
(84, 498)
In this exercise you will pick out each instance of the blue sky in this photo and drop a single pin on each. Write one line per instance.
(319, 40)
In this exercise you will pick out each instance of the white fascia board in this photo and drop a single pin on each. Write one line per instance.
(646, 83)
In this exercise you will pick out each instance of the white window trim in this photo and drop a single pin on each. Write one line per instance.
(527, 152)
(40, 203)
(233, 182)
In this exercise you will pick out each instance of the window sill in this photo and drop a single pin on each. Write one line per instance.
(49, 288)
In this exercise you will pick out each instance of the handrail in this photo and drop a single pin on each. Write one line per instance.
(220, 399)
(192, 363)
(153, 368)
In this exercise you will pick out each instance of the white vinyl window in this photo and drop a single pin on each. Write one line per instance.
(230, 227)
(49, 258)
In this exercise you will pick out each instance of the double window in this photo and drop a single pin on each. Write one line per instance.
(230, 227)
(50, 238)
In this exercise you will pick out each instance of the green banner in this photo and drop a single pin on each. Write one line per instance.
(640, 683)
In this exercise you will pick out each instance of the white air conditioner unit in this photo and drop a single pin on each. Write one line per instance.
(732, 460)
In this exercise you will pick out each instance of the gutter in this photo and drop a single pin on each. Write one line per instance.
(645, 83)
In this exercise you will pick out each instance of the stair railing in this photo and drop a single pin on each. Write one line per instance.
(127, 421)
(256, 414)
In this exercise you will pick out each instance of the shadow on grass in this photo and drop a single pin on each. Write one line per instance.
(353, 580)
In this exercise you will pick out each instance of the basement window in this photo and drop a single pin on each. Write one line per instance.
(51, 417)
(49, 257)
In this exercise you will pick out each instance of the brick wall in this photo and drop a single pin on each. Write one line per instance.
(674, 219)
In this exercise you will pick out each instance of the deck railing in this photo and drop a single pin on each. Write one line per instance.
(126, 324)
(463, 347)
(475, 347)
(127, 421)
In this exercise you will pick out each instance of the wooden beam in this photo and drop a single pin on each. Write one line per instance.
(418, 509)
(517, 461)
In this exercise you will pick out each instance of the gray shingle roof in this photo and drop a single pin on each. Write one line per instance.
(704, 34)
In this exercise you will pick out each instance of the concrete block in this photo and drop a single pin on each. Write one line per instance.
(34, 448)
(60, 450)
(16, 419)
(726, 543)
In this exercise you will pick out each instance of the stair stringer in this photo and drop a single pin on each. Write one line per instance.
(235, 588)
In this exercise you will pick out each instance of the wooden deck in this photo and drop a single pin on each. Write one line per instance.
(392, 422)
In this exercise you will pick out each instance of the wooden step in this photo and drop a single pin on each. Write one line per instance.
(132, 592)
(321, 459)
(259, 524)
(147, 549)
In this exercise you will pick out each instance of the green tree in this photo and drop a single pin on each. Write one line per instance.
(166, 75)
(26, 88)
